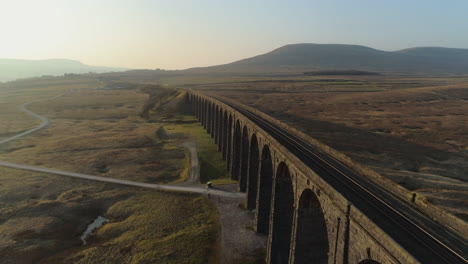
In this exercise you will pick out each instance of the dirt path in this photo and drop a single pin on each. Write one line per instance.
(44, 123)
(239, 242)
(201, 190)
(194, 179)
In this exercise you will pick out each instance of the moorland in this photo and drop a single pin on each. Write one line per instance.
(101, 131)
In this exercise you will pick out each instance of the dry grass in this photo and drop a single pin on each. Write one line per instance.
(97, 132)
(42, 217)
(13, 94)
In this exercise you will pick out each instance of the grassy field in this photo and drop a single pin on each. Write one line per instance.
(13, 94)
(42, 217)
(100, 132)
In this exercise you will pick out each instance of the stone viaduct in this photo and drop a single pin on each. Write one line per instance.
(306, 220)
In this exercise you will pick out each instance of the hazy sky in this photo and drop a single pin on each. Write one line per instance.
(179, 34)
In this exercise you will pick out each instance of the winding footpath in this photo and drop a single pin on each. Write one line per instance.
(44, 123)
(194, 171)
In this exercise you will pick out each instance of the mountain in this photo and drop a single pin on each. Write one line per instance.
(354, 57)
(11, 69)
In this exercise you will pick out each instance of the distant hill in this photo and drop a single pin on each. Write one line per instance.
(12, 69)
(353, 57)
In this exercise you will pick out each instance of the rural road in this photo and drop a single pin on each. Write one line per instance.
(201, 190)
(194, 172)
(194, 178)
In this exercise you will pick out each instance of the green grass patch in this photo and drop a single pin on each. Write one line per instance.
(223, 181)
(185, 174)
(212, 166)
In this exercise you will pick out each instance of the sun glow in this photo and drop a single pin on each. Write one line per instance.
(188, 33)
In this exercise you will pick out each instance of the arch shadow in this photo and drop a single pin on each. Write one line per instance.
(283, 212)
(265, 183)
(244, 160)
(253, 177)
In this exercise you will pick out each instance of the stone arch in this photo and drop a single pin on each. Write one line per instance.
(236, 159)
(283, 215)
(200, 109)
(194, 104)
(311, 240)
(208, 117)
(244, 160)
(218, 127)
(215, 124)
(368, 261)
(197, 107)
(264, 192)
(229, 144)
(206, 114)
(212, 119)
(224, 135)
(252, 179)
(219, 134)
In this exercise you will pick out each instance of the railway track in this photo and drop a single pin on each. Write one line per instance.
(427, 240)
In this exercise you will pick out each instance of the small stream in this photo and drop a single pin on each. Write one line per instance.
(97, 223)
